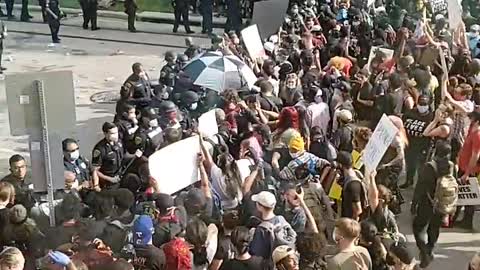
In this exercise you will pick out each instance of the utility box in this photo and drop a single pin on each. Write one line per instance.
(42, 106)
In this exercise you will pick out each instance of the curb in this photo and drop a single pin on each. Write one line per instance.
(149, 16)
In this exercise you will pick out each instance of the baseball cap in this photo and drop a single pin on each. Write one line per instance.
(281, 252)
(345, 116)
(265, 198)
(143, 230)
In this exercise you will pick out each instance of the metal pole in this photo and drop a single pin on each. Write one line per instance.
(46, 151)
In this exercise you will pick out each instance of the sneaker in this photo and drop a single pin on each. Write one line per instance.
(2, 68)
(190, 32)
(425, 259)
(96, 28)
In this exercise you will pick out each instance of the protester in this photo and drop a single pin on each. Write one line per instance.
(294, 155)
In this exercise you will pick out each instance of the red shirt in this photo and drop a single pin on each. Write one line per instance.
(471, 145)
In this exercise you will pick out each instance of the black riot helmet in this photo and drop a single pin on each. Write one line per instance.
(189, 97)
(167, 107)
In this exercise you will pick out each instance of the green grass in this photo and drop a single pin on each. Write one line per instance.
(144, 5)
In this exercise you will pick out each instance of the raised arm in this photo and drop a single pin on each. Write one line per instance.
(207, 158)
(310, 219)
(204, 182)
(372, 190)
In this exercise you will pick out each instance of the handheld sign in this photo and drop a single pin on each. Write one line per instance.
(175, 166)
(207, 124)
(378, 144)
(253, 42)
(469, 194)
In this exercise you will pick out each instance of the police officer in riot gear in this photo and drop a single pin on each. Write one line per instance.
(169, 71)
(139, 83)
(189, 106)
(182, 61)
(161, 94)
(126, 123)
(76, 163)
(169, 116)
(148, 137)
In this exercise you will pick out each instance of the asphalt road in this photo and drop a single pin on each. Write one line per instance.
(98, 67)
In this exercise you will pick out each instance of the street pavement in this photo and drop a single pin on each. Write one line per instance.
(101, 65)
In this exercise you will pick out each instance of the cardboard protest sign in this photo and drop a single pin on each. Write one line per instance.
(438, 5)
(469, 194)
(378, 56)
(253, 42)
(175, 166)
(207, 124)
(454, 14)
(378, 144)
(269, 16)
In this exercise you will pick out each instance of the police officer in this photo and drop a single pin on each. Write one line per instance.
(181, 13)
(131, 9)
(53, 17)
(107, 158)
(234, 18)
(3, 35)
(161, 94)
(207, 16)
(126, 123)
(25, 16)
(139, 84)
(75, 163)
(20, 181)
(89, 10)
(169, 116)
(188, 109)
(149, 136)
(182, 61)
(169, 70)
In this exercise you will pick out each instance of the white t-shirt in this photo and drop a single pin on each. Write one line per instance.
(220, 187)
(320, 115)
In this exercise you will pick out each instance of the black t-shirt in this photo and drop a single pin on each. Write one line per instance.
(415, 124)
(225, 248)
(342, 139)
(353, 192)
(149, 258)
(366, 93)
(4, 221)
(254, 263)
(394, 104)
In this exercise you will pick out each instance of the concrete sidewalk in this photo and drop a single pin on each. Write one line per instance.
(147, 16)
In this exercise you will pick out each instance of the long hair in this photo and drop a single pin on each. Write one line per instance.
(196, 235)
(288, 118)
(231, 173)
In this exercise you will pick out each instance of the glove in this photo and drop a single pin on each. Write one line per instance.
(59, 258)
(115, 179)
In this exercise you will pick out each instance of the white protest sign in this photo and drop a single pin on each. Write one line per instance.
(253, 42)
(454, 14)
(378, 144)
(175, 166)
(207, 124)
(469, 194)
(244, 168)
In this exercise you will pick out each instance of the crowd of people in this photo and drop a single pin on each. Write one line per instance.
(307, 202)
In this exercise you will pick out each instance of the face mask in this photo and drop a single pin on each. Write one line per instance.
(165, 96)
(74, 155)
(112, 137)
(294, 11)
(422, 108)
(194, 106)
(153, 123)
(355, 23)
